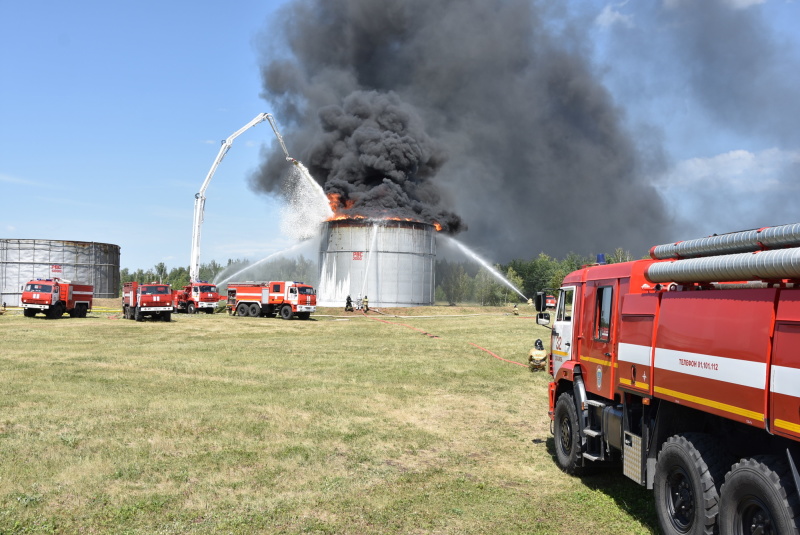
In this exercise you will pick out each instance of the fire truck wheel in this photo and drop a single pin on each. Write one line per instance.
(255, 310)
(29, 312)
(567, 437)
(286, 312)
(55, 311)
(685, 488)
(304, 315)
(758, 496)
(137, 315)
(241, 310)
(167, 316)
(190, 308)
(84, 310)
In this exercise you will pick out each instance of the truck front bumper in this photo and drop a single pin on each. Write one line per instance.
(306, 308)
(156, 309)
(32, 305)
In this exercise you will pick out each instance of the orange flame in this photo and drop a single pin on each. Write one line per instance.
(335, 200)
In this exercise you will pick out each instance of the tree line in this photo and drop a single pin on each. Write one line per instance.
(456, 282)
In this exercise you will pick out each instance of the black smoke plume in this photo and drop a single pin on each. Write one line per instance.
(487, 109)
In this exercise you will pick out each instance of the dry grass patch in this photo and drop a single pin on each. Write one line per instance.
(215, 423)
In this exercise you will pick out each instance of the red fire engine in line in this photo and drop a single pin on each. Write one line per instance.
(689, 376)
(153, 300)
(195, 297)
(286, 298)
(55, 296)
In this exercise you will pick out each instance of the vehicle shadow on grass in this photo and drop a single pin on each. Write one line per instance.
(630, 497)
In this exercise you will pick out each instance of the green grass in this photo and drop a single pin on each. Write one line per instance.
(219, 424)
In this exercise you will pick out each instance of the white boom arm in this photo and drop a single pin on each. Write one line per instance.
(200, 198)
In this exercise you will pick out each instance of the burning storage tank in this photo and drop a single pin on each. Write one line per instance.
(84, 262)
(390, 261)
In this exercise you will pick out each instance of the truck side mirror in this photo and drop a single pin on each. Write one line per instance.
(543, 318)
(539, 302)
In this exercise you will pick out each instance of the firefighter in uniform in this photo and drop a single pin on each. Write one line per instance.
(348, 305)
(365, 302)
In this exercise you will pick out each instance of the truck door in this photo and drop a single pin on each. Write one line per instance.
(561, 343)
(598, 349)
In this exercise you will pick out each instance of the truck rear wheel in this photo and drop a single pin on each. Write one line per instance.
(255, 310)
(567, 435)
(686, 484)
(758, 497)
(242, 310)
(286, 312)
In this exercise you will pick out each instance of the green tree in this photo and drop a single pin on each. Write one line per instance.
(456, 284)
(509, 294)
(619, 255)
(488, 291)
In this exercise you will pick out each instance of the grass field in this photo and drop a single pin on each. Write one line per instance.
(341, 424)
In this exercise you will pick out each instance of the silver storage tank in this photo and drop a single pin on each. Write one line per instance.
(85, 262)
(390, 261)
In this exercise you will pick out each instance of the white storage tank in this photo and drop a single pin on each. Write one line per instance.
(390, 261)
(84, 262)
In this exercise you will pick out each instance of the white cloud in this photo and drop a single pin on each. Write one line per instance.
(733, 4)
(733, 191)
(611, 16)
(737, 170)
(16, 180)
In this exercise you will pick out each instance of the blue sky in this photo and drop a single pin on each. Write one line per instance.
(111, 114)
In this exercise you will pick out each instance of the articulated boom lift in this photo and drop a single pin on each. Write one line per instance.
(200, 199)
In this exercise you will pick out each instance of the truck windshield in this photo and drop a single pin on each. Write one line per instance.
(305, 290)
(155, 290)
(43, 288)
(207, 288)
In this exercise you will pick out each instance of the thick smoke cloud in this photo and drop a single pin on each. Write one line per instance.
(489, 110)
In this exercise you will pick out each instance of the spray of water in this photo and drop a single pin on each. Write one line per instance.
(259, 262)
(472, 254)
(313, 184)
(306, 208)
(369, 257)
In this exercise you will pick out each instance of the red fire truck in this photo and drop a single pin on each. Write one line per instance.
(286, 298)
(153, 300)
(55, 296)
(195, 297)
(685, 369)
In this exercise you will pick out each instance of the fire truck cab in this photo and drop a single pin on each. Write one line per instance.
(685, 372)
